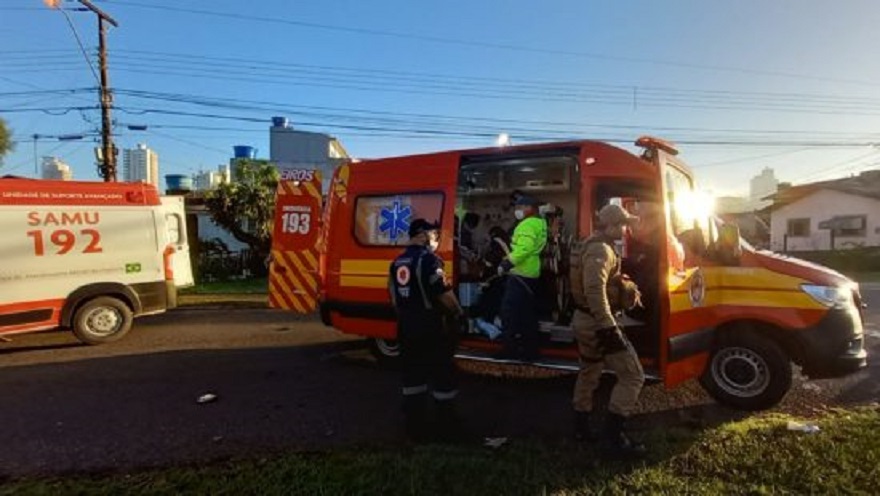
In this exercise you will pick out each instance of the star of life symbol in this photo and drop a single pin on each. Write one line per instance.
(395, 219)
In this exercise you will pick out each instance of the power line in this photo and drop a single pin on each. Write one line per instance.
(239, 16)
(421, 77)
(371, 115)
(864, 109)
(81, 46)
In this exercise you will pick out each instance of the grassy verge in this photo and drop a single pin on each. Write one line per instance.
(238, 300)
(754, 456)
(869, 277)
(246, 293)
(243, 286)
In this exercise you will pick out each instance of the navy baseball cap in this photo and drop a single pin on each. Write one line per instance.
(420, 226)
(527, 201)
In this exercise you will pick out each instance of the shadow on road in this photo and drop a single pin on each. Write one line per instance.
(142, 410)
(8, 349)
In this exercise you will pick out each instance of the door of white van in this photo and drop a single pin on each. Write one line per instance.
(175, 222)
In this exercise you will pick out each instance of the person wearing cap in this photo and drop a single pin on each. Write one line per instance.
(519, 311)
(425, 304)
(597, 287)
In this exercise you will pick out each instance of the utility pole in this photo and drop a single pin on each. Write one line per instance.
(108, 165)
(108, 150)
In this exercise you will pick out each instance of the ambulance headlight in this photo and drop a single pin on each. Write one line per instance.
(830, 296)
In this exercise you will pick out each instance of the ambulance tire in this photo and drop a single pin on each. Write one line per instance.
(385, 351)
(102, 320)
(747, 371)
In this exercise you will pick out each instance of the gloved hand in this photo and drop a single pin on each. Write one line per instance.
(504, 267)
(611, 340)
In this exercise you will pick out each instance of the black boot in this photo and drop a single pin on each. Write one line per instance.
(582, 430)
(615, 444)
(450, 428)
(415, 411)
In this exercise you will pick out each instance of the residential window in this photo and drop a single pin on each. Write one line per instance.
(851, 226)
(798, 228)
(384, 220)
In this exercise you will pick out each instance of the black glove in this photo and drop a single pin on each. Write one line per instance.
(505, 266)
(611, 340)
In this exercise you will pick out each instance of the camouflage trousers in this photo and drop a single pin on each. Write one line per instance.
(599, 351)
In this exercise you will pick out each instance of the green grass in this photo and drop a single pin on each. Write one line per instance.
(867, 277)
(244, 286)
(237, 300)
(753, 456)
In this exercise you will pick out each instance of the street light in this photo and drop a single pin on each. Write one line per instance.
(59, 137)
(108, 162)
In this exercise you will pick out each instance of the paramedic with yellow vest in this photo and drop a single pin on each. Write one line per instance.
(519, 312)
(600, 292)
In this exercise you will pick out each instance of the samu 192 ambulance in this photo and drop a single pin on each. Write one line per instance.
(86, 256)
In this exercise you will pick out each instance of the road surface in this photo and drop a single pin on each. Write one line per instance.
(281, 384)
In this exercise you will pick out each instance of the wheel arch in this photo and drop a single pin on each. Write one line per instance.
(785, 339)
(85, 293)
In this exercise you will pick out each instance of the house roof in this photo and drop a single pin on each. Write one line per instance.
(866, 184)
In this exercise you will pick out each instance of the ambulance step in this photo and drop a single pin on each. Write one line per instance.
(558, 333)
(651, 375)
(542, 362)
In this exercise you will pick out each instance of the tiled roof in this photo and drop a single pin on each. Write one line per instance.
(866, 184)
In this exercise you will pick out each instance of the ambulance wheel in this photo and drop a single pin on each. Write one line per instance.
(747, 371)
(386, 351)
(102, 320)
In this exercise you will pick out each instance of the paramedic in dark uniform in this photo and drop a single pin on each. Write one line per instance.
(427, 317)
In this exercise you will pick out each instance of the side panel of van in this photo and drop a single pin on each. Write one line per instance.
(50, 252)
(368, 229)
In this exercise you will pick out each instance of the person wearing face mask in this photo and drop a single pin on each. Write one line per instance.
(519, 312)
(427, 310)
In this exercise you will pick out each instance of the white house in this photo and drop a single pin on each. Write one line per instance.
(838, 214)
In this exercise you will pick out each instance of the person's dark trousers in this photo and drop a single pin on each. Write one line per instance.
(519, 318)
(490, 301)
(426, 352)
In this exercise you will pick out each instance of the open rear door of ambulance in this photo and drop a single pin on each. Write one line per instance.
(174, 210)
(294, 280)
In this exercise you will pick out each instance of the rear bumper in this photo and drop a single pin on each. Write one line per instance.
(834, 347)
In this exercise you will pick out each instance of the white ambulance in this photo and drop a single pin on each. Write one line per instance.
(87, 256)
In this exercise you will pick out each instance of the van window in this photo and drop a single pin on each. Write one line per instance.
(384, 220)
(678, 192)
(174, 224)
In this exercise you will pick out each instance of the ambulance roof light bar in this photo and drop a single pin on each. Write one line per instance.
(653, 143)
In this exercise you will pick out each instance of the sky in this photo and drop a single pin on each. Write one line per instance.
(740, 86)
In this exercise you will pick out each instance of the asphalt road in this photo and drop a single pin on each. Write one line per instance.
(281, 384)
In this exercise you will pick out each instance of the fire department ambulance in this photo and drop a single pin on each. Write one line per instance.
(86, 256)
(714, 307)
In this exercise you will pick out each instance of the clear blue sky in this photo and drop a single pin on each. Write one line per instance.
(395, 77)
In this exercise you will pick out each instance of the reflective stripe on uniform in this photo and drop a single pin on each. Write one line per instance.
(414, 390)
(445, 395)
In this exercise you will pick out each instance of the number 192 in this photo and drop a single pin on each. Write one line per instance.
(65, 241)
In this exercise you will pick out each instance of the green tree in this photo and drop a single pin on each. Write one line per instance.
(6, 144)
(246, 208)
